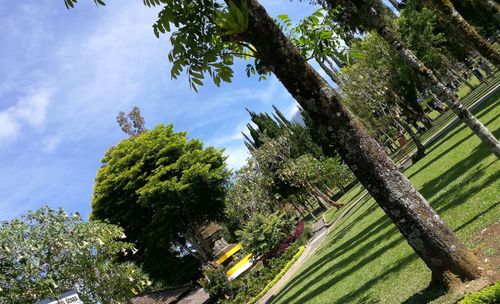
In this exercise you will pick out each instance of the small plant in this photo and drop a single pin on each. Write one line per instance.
(488, 295)
(489, 250)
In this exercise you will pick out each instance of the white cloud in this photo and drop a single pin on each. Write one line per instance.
(33, 108)
(9, 127)
(237, 156)
(29, 110)
(51, 143)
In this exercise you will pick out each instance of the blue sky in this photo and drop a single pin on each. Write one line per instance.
(65, 75)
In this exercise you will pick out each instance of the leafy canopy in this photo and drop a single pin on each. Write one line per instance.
(161, 188)
(48, 252)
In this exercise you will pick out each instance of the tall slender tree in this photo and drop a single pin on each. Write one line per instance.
(455, 24)
(374, 15)
(246, 23)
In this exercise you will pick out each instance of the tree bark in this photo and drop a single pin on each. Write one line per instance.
(337, 61)
(448, 13)
(422, 227)
(195, 238)
(449, 98)
(414, 137)
(327, 199)
(333, 76)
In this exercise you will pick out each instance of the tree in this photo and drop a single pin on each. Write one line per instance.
(455, 24)
(483, 14)
(48, 252)
(248, 194)
(275, 126)
(263, 232)
(133, 123)
(379, 87)
(308, 173)
(418, 31)
(162, 189)
(374, 15)
(317, 37)
(204, 47)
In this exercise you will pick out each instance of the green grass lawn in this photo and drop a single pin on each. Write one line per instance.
(365, 259)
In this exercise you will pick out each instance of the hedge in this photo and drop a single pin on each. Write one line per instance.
(279, 275)
(488, 295)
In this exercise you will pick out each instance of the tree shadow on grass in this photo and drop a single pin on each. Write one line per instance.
(357, 246)
(454, 196)
(345, 247)
(477, 216)
(430, 293)
(454, 131)
(359, 256)
(451, 148)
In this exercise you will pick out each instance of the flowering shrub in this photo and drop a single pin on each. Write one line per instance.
(278, 250)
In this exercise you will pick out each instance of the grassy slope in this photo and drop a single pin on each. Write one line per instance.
(366, 258)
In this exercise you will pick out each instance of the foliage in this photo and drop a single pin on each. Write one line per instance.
(161, 181)
(316, 36)
(301, 235)
(215, 282)
(263, 232)
(275, 126)
(379, 87)
(418, 31)
(490, 294)
(248, 194)
(247, 287)
(48, 252)
(336, 172)
(133, 123)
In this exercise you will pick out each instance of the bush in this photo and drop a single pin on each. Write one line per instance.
(263, 232)
(215, 282)
(301, 235)
(488, 295)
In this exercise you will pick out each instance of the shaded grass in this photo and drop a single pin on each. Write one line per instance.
(365, 255)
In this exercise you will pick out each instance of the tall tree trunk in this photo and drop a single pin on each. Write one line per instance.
(331, 73)
(337, 61)
(462, 79)
(414, 137)
(327, 199)
(199, 243)
(463, 113)
(460, 26)
(297, 208)
(422, 227)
